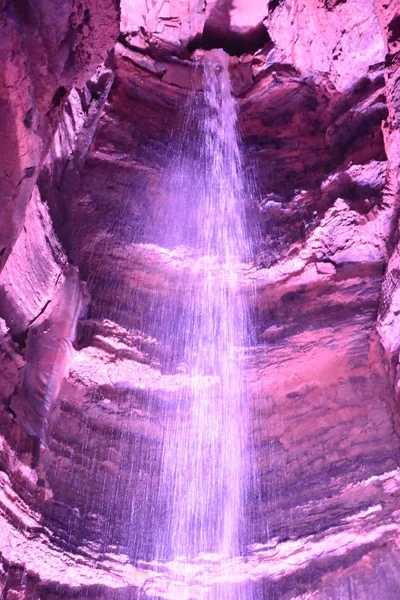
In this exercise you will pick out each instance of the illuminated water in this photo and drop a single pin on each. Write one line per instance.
(203, 465)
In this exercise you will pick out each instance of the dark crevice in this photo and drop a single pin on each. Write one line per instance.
(20, 339)
(218, 33)
(273, 4)
(28, 118)
(32, 321)
(59, 96)
(235, 43)
(394, 30)
(331, 4)
(122, 39)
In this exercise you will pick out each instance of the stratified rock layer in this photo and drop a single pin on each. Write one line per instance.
(317, 96)
(46, 49)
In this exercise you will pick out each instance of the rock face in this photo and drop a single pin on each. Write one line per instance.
(46, 49)
(47, 357)
(317, 92)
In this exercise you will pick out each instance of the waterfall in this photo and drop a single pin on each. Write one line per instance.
(203, 475)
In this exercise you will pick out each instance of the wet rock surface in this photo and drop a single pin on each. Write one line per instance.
(45, 51)
(318, 114)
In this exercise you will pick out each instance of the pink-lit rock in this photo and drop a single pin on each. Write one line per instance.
(343, 40)
(45, 50)
(48, 357)
(33, 270)
(324, 385)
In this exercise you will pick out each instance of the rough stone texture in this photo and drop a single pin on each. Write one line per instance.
(45, 49)
(167, 28)
(318, 113)
(164, 26)
(33, 270)
(328, 37)
(48, 356)
(388, 324)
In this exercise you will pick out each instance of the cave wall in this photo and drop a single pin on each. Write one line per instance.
(316, 88)
(46, 49)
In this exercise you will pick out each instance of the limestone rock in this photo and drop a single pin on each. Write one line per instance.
(45, 49)
(317, 92)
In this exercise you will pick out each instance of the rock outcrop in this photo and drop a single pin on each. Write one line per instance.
(317, 92)
(46, 49)
(47, 358)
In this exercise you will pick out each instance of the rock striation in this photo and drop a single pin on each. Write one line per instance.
(93, 98)
(45, 51)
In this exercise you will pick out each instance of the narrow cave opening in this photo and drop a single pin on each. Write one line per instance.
(219, 32)
(235, 43)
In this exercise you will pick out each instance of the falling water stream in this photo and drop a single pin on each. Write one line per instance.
(204, 479)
